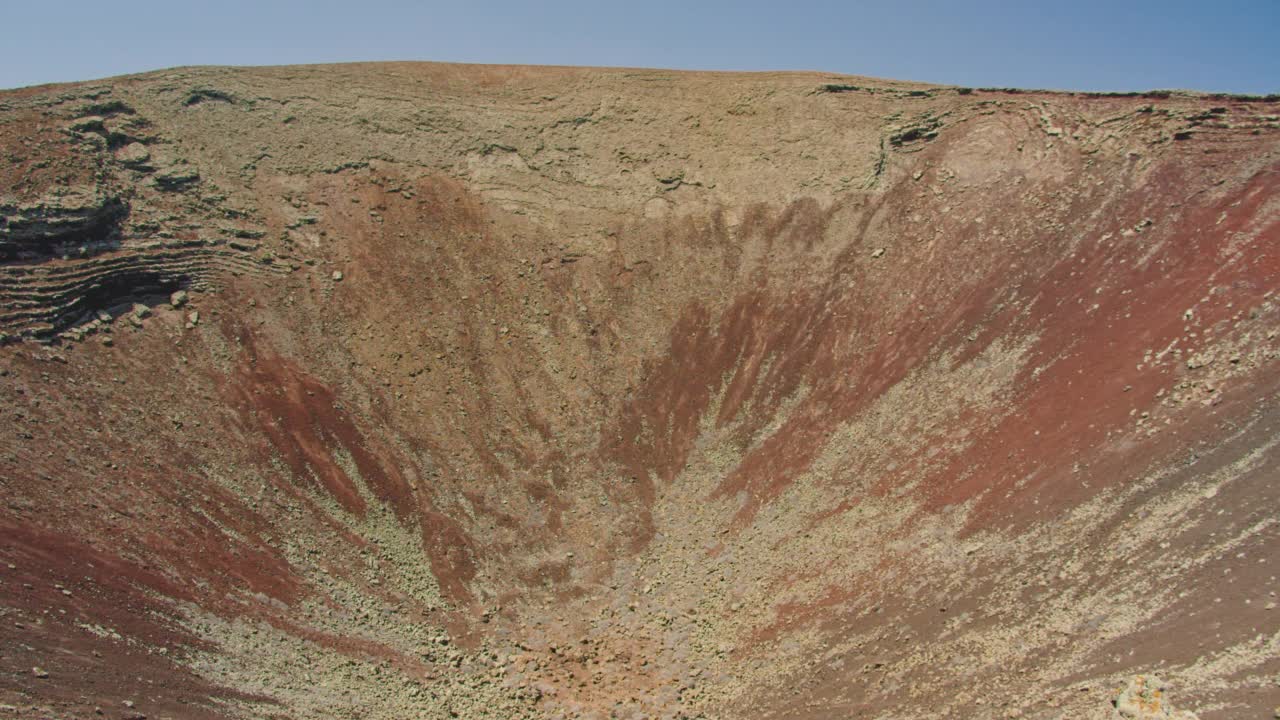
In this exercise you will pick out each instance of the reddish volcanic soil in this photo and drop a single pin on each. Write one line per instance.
(434, 391)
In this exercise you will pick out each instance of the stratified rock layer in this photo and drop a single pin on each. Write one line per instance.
(416, 390)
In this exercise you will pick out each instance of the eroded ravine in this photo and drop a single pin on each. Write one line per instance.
(415, 390)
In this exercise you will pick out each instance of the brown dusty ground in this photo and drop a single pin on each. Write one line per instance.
(547, 392)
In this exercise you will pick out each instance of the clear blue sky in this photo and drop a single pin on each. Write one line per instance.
(1222, 45)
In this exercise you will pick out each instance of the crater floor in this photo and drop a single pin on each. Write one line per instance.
(442, 391)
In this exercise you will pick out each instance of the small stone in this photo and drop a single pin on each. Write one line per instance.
(39, 672)
(193, 318)
(337, 276)
(141, 311)
(107, 341)
(877, 253)
(178, 299)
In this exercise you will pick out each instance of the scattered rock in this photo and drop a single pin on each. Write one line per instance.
(136, 316)
(877, 253)
(1196, 362)
(39, 672)
(1144, 699)
(178, 299)
(337, 276)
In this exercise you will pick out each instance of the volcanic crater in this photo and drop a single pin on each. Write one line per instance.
(417, 390)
